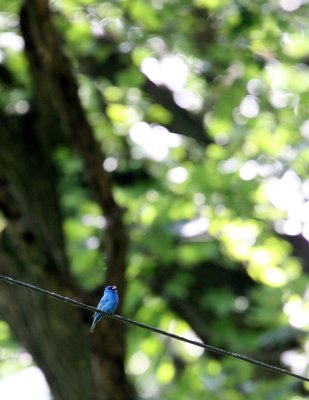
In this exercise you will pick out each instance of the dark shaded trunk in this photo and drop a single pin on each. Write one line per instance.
(51, 331)
(32, 246)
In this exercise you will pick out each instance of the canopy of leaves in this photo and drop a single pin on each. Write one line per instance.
(201, 110)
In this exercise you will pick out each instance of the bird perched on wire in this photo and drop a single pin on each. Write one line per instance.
(108, 303)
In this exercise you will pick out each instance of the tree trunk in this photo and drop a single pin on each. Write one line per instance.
(32, 246)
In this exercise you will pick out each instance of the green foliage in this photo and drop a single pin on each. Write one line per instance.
(12, 357)
(240, 70)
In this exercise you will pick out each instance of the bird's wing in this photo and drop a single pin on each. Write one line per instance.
(103, 301)
(101, 304)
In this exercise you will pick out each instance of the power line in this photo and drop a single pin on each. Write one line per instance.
(151, 328)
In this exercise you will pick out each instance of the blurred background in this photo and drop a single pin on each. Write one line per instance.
(161, 146)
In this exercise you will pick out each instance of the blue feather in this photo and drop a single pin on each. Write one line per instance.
(108, 303)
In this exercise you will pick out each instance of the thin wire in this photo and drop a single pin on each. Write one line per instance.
(151, 328)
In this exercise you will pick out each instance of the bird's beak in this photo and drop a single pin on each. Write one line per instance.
(114, 287)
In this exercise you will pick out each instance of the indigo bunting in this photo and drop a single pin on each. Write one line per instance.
(108, 303)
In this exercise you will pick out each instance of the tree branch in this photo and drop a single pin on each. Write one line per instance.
(184, 122)
(51, 68)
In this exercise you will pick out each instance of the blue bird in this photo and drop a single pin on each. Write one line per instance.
(108, 303)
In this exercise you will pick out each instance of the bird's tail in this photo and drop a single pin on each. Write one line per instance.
(92, 326)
